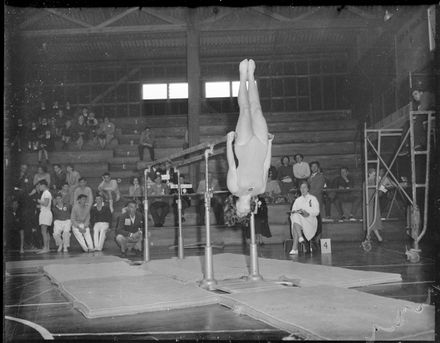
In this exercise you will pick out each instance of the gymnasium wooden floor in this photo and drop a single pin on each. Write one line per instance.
(33, 298)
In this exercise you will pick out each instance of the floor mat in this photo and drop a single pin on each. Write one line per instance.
(334, 313)
(234, 266)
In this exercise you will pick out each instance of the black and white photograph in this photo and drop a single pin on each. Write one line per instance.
(221, 172)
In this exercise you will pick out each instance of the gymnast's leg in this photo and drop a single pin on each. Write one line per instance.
(243, 129)
(259, 124)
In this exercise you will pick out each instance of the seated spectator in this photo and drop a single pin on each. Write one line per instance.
(146, 141)
(66, 133)
(100, 219)
(59, 177)
(93, 126)
(135, 189)
(84, 189)
(80, 132)
(385, 186)
(273, 190)
(61, 223)
(42, 174)
(216, 201)
(43, 127)
(317, 182)
(68, 110)
(47, 144)
(186, 201)
(53, 127)
(129, 230)
(33, 137)
(373, 212)
(170, 176)
(301, 169)
(285, 175)
(159, 206)
(72, 178)
(61, 120)
(80, 218)
(344, 183)
(101, 134)
(14, 223)
(107, 187)
(106, 132)
(304, 211)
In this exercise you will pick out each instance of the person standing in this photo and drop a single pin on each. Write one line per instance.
(100, 220)
(72, 178)
(84, 189)
(317, 182)
(80, 218)
(15, 223)
(61, 224)
(59, 177)
(159, 206)
(45, 218)
(146, 141)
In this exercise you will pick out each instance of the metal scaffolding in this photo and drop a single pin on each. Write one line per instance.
(418, 207)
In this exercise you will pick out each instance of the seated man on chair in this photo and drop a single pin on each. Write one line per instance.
(344, 184)
(129, 230)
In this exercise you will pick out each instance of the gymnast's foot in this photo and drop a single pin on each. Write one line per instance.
(243, 69)
(251, 70)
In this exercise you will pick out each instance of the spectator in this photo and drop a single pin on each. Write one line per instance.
(93, 126)
(216, 201)
(135, 189)
(80, 132)
(101, 134)
(285, 175)
(317, 182)
(186, 201)
(47, 144)
(374, 212)
(68, 110)
(23, 183)
(107, 187)
(42, 174)
(385, 186)
(327, 198)
(100, 219)
(65, 194)
(84, 189)
(146, 141)
(67, 133)
(15, 223)
(53, 127)
(80, 218)
(61, 223)
(59, 177)
(171, 175)
(19, 140)
(43, 127)
(72, 178)
(45, 218)
(33, 137)
(129, 230)
(344, 184)
(60, 122)
(273, 190)
(108, 130)
(159, 206)
(261, 223)
(301, 169)
(305, 209)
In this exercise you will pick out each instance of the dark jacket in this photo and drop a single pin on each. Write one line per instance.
(97, 216)
(125, 226)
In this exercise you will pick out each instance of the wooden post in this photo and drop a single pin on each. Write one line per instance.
(194, 93)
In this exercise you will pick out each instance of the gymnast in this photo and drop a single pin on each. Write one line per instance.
(252, 145)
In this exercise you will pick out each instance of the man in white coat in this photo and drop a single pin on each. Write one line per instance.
(304, 211)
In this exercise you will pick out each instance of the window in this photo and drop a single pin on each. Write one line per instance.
(217, 89)
(236, 87)
(178, 90)
(154, 91)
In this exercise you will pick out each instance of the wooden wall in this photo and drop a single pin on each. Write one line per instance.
(291, 83)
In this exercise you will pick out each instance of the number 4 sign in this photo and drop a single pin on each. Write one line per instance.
(326, 246)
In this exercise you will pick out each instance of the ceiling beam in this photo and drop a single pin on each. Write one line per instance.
(358, 11)
(67, 17)
(212, 19)
(116, 18)
(163, 16)
(33, 19)
(279, 17)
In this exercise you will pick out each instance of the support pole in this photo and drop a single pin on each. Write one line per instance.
(179, 213)
(253, 250)
(208, 281)
(147, 233)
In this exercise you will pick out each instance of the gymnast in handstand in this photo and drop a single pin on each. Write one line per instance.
(253, 144)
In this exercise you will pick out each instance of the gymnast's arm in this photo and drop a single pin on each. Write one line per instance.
(268, 159)
(232, 171)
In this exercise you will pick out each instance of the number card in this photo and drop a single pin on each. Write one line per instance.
(326, 246)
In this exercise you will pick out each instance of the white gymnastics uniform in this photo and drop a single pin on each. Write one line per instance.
(309, 224)
(46, 217)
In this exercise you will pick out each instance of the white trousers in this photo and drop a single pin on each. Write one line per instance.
(61, 232)
(99, 232)
(83, 238)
